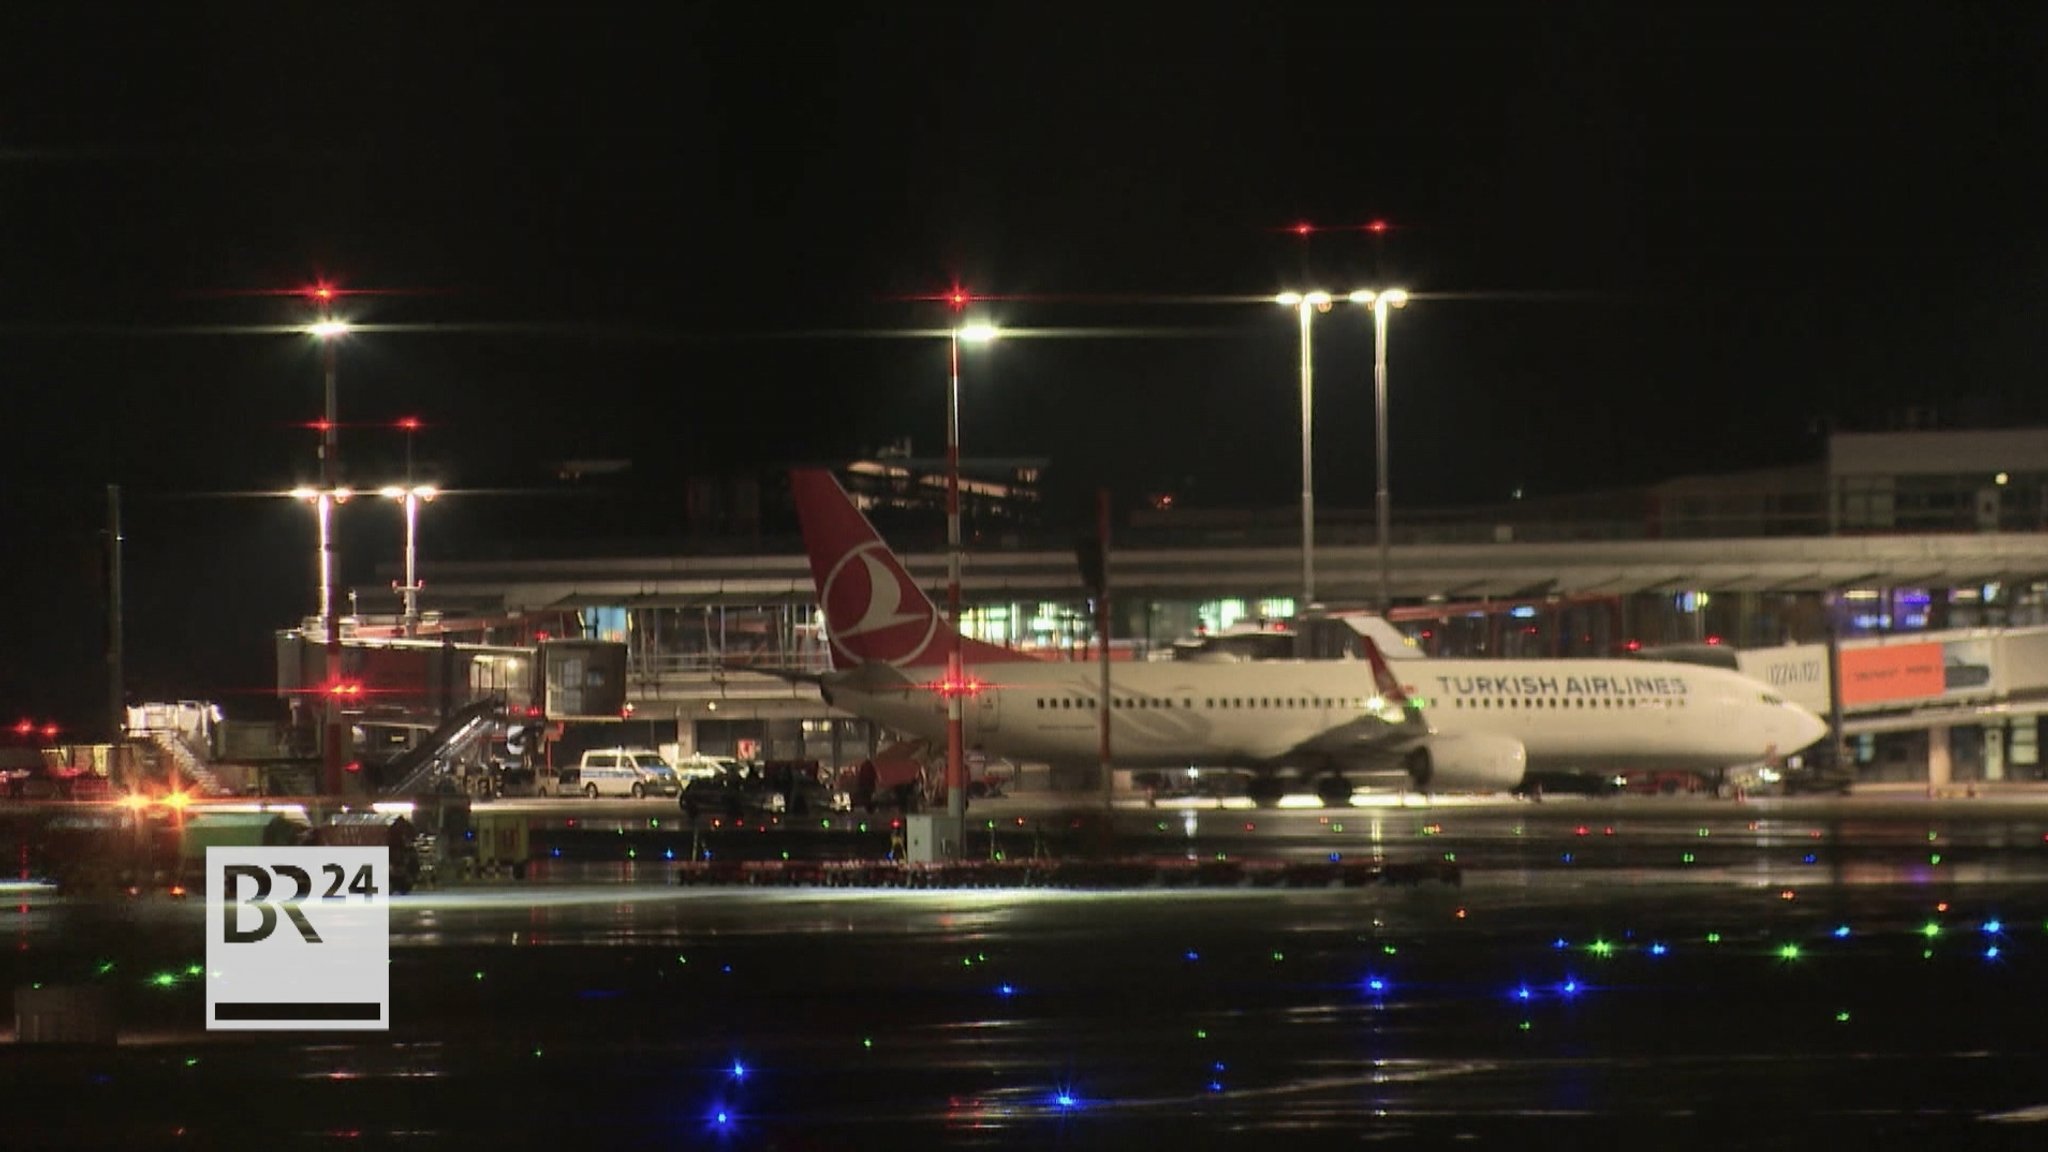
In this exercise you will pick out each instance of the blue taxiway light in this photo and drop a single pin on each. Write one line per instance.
(1658, 949)
(1841, 932)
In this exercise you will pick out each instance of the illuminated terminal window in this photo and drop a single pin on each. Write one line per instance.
(990, 623)
(605, 624)
(1048, 624)
(1217, 615)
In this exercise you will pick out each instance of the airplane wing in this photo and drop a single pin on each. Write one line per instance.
(792, 675)
(1381, 735)
(1393, 733)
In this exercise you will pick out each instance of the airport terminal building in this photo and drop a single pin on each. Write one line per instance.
(1900, 584)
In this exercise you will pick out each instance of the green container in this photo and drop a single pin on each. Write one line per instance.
(205, 830)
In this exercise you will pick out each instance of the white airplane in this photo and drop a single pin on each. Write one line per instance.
(1446, 725)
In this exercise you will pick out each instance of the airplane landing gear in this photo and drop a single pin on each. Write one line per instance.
(1334, 790)
(1264, 790)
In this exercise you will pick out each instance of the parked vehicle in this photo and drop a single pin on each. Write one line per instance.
(635, 772)
(699, 766)
(771, 788)
(733, 792)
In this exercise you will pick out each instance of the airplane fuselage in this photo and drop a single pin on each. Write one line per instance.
(1569, 715)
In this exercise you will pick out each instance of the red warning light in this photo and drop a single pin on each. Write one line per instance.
(627, 711)
(24, 727)
(321, 292)
(957, 299)
(1304, 228)
(970, 686)
(1713, 639)
(352, 766)
(49, 731)
(1633, 646)
(408, 423)
(1377, 227)
(345, 689)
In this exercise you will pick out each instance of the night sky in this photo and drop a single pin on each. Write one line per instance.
(1654, 239)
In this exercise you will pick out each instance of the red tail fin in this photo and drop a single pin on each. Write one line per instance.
(874, 612)
(1383, 675)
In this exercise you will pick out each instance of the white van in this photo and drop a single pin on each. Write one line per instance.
(698, 766)
(634, 772)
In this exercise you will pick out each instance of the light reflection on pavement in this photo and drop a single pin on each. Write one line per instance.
(1747, 997)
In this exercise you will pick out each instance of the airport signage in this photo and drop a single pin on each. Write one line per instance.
(298, 939)
(1917, 672)
(1798, 672)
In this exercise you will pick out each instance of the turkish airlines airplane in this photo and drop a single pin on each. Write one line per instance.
(1446, 725)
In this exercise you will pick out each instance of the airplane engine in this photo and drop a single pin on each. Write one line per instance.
(1469, 764)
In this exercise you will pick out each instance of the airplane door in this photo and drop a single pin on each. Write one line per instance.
(987, 710)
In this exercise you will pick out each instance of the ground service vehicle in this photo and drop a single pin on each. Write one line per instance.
(634, 772)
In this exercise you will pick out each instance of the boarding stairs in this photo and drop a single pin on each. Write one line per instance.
(454, 743)
(177, 755)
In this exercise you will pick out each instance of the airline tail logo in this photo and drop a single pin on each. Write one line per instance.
(874, 613)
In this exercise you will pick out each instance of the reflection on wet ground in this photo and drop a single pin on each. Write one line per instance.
(1748, 998)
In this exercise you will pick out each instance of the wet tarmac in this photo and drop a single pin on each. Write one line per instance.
(1670, 974)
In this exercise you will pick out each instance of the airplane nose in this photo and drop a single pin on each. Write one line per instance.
(1809, 729)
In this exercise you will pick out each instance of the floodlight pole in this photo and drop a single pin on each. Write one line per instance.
(956, 678)
(1379, 301)
(330, 467)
